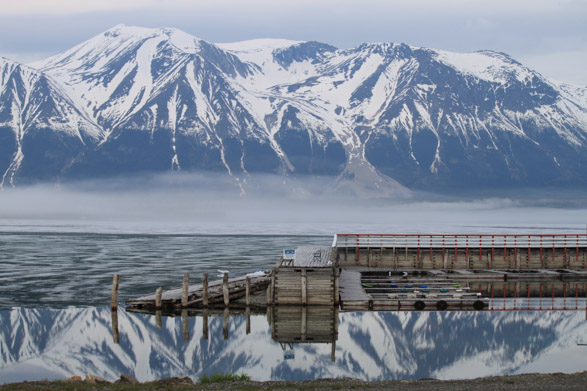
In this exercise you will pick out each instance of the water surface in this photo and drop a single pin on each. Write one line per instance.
(55, 281)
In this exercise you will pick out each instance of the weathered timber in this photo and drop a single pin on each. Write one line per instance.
(225, 323)
(294, 324)
(205, 323)
(185, 325)
(158, 294)
(225, 291)
(474, 252)
(115, 281)
(115, 334)
(236, 291)
(185, 289)
(248, 291)
(205, 290)
(304, 286)
(158, 320)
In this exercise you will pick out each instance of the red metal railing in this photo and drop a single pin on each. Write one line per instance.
(466, 241)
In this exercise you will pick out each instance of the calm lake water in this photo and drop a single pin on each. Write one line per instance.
(55, 282)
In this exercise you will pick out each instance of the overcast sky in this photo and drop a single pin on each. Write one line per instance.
(549, 36)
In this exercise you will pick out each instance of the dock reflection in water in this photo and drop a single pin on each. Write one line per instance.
(290, 343)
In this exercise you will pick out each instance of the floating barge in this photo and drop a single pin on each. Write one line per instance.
(393, 272)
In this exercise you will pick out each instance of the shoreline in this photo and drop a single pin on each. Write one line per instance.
(531, 381)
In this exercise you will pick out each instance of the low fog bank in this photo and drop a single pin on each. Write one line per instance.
(215, 204)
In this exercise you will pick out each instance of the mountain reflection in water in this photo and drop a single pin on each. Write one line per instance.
(59, 343)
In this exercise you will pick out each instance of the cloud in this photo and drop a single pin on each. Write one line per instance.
(66, 7)
(560, 67)
(521, 28)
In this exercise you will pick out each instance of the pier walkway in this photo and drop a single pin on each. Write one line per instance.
(407, 271)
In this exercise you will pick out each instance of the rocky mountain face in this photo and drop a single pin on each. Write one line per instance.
(385, 116)
(41, 129)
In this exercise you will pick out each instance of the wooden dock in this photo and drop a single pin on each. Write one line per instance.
(172, 299)
(408, 272)
(461, 252)
(306, 278)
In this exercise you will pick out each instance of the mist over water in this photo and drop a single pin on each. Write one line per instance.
(265, 204)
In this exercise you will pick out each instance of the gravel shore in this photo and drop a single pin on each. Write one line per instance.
(555, 381)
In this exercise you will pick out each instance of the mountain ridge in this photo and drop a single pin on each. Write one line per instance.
(393, 115)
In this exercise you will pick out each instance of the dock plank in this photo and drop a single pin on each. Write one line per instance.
(311, 256)
(195, 291)
(350, 288)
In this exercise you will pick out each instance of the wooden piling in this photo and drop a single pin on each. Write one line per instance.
(304, 288)
(333, 351)
(273, 287)
(336, 287)
(185, 288)
(205, 323)
(225, 323)
(115, 334)
(158, 295)
(225, 292)
(248, 315)
(248, 292)
(115, 281)
(185, 325)
(158, 321)
(304, 324)
(205, 290)
(335, 322)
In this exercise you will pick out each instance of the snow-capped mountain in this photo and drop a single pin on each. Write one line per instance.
(41, 130)
(371, 345)
(382, 115)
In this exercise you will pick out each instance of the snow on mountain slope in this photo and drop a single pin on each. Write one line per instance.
(32, 107)
(114, 74)
(382, 115)
(486, 65)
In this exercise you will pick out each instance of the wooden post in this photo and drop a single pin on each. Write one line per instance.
(185, 288)
(273, 287)
(158, 322)
(115, 335)
(205, 290)
(335, 323)
(185, 325)
(248, 292)
(225, 323)
(269, 295)
(303, 325)
(225, 290)
(158, 295)
(333, 352)
(205, 324)
(115, 291)
(336, 294)
(248, 315)
(304, 288)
